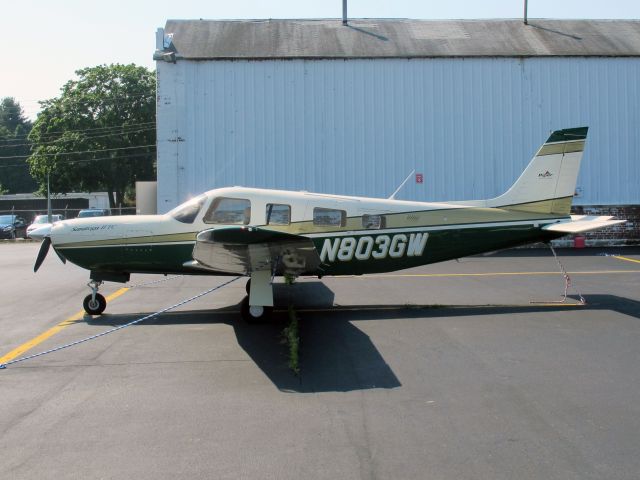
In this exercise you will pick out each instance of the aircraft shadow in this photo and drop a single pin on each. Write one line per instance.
(335, 355)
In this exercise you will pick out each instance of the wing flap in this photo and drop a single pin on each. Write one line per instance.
(582, 223)
(246, 249)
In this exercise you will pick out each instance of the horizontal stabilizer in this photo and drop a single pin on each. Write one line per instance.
(582, 223)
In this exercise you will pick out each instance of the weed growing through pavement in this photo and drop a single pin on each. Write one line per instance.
(292, 338)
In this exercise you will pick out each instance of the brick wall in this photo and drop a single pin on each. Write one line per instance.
(622, 234)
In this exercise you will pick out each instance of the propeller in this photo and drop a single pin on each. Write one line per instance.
(44, 249)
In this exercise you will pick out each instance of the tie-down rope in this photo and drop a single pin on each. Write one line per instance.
(120, 327)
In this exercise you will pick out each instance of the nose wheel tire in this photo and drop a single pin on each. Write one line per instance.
(94, 307)
(254, 313)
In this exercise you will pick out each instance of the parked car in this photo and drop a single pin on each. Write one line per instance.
(12, 226)
(43, 221)
(94, 212)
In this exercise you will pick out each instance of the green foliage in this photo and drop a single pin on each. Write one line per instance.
(14, 127)
(291, 335)
(108, 115)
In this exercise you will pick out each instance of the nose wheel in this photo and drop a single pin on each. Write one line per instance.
(94, 306)
(95, 303)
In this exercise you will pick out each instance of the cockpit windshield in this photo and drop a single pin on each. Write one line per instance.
(188, 211)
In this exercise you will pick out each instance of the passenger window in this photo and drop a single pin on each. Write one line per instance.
(373, 221)
(278, 214)
(188, 211)
(328, 217)
(229, 211)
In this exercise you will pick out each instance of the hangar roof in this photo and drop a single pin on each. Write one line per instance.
(399, 38)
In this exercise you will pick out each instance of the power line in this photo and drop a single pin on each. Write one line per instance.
(78, 152)
(60, 132)
(87, 160)
(139, 130)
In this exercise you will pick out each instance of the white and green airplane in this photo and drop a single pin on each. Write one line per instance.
(262, 233)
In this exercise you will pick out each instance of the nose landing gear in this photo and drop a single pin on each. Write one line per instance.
(95, 303)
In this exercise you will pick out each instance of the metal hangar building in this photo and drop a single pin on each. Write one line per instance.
(352, 109)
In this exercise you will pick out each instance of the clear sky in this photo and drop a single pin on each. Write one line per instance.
(46, 41)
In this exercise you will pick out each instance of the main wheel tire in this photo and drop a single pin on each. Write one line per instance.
(94, 307)
(254, 314)
(247, 287)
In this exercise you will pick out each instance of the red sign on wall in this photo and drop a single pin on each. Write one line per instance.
(419, 178)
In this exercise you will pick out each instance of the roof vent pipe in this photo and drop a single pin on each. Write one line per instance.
(344, 12)
(525, 12)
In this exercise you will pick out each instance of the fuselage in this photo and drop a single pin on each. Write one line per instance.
(352, 235)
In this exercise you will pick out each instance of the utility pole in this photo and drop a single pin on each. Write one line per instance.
(525, 12)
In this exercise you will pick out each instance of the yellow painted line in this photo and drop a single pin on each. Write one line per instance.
(620, 257)
(492, 274)
(52, 331)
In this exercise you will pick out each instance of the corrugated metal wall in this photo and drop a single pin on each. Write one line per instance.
(358, 127)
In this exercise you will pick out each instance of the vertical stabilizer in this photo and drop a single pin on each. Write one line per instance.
(548, 183)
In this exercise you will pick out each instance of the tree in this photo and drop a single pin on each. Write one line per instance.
(14, 148)
(99, 134)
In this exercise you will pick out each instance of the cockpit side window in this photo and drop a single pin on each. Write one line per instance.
(188, 211)
(229, 211)
(278, 214)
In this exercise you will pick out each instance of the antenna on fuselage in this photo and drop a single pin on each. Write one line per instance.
(393, 195)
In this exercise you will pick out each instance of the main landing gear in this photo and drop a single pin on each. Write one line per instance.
(258, 305)
(95, 303)
(255, 313)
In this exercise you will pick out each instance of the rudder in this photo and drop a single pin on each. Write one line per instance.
(548, 183)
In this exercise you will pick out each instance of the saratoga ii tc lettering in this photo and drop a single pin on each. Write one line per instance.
(345, 249)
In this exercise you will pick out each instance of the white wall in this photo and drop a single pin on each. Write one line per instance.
(358, 127)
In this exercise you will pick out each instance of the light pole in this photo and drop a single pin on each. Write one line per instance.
(48, 199)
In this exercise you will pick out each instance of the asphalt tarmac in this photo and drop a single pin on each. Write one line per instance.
(442, 372)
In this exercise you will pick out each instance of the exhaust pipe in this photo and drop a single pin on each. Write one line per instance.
(344, 12)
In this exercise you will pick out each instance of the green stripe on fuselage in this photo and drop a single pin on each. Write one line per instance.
(170, 237)
(168, 258)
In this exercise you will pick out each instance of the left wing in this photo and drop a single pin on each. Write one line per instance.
(245, 249)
